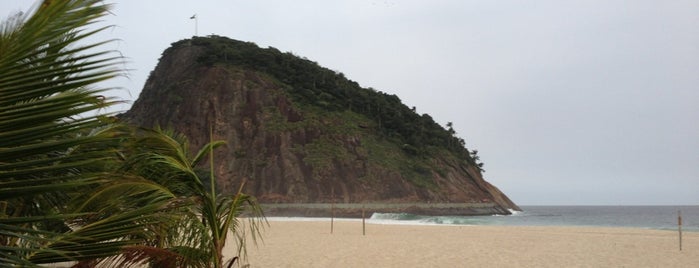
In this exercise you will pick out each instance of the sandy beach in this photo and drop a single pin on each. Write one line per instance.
(310, 244)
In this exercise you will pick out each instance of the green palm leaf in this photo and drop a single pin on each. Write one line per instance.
(60, 197)
(207, 217)
(75, 186)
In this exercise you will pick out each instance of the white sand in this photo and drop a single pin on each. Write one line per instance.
(310, 244)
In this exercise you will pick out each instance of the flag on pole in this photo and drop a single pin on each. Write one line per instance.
(196, 23)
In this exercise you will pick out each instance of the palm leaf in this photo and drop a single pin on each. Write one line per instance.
(208, 217)
(54, 152)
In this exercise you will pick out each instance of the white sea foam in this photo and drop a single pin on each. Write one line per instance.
(308, 219)
(395, 219)
(654, 217)
(410, 219)
(514, 212)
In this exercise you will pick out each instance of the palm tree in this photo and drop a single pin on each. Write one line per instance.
(55, 148)
(206, 217)
(77, 186)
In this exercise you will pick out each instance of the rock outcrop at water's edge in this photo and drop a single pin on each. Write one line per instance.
(294, 148)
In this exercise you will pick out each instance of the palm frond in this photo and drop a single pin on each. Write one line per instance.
(53, 152)
(209, 217)
(76, 186)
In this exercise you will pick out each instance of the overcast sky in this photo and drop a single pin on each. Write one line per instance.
(568, 102)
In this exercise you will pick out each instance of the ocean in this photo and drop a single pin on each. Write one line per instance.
(649, 217)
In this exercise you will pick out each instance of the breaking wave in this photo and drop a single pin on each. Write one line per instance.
(412, 219)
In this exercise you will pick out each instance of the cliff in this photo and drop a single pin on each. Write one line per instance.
(298, 133)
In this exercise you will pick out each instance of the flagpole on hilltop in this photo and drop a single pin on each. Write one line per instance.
(196, 23)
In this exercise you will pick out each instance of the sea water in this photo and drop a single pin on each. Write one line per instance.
(650, 217)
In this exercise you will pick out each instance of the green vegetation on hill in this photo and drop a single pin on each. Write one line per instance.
(310, 84)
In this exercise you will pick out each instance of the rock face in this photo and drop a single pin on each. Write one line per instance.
(292, 152)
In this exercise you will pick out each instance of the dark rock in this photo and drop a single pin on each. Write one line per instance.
(289, 152)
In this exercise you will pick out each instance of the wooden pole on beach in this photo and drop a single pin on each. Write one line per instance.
(679, 226)
(332, 209)
(363, 223)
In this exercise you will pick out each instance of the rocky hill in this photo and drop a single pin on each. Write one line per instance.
(298, 133)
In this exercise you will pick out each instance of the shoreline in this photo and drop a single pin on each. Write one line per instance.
(372, 221)
(309, 243)
(356, 210)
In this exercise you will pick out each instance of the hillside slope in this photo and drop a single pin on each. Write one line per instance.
(300, 133)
